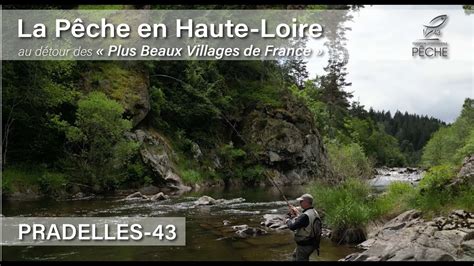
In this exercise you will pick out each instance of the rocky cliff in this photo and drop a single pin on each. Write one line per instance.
(291, 146)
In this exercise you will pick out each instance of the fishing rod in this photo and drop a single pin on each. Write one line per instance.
(278, 188)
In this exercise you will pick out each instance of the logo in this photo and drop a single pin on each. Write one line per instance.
(435, 26)
(431, 46)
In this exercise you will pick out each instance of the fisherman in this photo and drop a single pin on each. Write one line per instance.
(307, 227)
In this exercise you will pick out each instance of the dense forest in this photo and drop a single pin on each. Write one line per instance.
(411, 130)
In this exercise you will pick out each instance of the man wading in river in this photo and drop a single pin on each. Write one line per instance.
(307, 227)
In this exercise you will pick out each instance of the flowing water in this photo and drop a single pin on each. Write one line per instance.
(385, 176)
(207, 238)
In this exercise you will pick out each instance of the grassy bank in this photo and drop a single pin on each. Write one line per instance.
(33, 181)
(351, 205)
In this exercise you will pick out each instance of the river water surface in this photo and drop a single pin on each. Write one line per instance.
(207, 238)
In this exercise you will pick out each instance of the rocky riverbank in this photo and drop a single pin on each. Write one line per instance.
(409, 237)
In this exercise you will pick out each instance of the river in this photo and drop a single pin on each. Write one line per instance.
(207, 236)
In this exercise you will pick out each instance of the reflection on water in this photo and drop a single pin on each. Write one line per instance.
(207, 236)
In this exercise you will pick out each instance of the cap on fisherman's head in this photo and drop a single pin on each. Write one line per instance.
(306, 197)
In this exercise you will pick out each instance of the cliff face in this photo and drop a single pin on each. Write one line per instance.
(291, 145)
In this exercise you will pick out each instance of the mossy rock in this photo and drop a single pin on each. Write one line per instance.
(124, 82)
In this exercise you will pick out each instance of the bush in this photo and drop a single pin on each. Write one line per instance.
(465, 199)
(96, 141)
(252, 173)
(432, 196)
(137, 174)
(20, 178)
(39, 179)
(436, 178)
(191, 176)
(346, 205)
(53, 184)
(6, 187)
(450, 144)
(349, 161)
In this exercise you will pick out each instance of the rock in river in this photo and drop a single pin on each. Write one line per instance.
(139, 196)
(245, 231)
(136, 195)
(205, 200)
(159, 196)
(274, 221)
(410, 237)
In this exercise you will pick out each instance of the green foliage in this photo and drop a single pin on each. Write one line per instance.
(124, 82)
(18, 178)
(346, 205)
(6, 187)
(53, 184)
(375, 141)
(437, 178)
(354, 127)
(31, 91)
(137, 173)
(449, 144)
(436, 202)
(157, 101)
(351, 203)
(229, 153)
(310, 95)
(397, 199)
(411, 130)
(96, 141)
(466, 150)
(252, 173)
(191, 176)
(348, 160)
(33, 179)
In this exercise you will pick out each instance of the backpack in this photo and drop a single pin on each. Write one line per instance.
(317, 232)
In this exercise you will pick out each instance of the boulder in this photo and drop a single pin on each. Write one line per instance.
(159, 196)
(205, 200)
(409, 237)
(82, 196)
(196, 151)
(135, 196)
(240, 227)
(158, 155)
(468, 248)
(250, 232)
(274, 221)
(148, 190)
(465, 174)
(467, 170)
(139, 196)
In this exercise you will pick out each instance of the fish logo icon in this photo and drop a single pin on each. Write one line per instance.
(434, 26)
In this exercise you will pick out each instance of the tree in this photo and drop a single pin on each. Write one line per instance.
(449, 144)
(334, 96)
(31, 91)
(96, 141)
